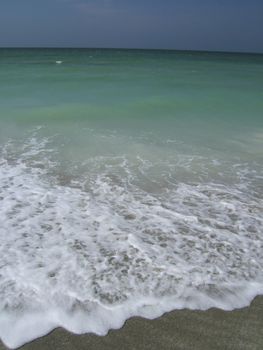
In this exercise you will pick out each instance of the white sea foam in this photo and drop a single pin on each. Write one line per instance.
(87, 252)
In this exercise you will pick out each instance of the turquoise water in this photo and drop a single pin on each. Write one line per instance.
(131, 183)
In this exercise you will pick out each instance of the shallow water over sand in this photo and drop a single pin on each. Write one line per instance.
(131, 184)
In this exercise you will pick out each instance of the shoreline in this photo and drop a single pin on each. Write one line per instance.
(213, 329)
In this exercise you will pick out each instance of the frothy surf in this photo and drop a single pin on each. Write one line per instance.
(88, 254)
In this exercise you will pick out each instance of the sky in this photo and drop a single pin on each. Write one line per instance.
(217, 25)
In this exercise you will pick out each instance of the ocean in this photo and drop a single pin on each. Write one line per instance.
(131, 183)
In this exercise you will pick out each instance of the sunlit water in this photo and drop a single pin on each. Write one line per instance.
(131, 183)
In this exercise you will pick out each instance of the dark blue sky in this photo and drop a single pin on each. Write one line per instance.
(229, 25)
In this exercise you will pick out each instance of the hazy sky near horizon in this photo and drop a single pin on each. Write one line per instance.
(228, 25)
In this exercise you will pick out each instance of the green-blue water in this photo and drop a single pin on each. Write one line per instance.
(213, 100)
(131, 183)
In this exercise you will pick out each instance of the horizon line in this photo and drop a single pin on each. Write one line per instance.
(129, 48)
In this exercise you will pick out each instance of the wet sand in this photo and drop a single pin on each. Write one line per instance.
(179, 330)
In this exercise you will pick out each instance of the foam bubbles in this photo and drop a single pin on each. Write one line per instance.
(123, 238)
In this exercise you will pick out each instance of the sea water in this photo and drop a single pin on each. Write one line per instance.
(131, 183)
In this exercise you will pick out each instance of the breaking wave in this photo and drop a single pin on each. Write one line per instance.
(121, 238)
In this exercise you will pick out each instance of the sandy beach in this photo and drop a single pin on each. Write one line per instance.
(179, 330)
(131, 175)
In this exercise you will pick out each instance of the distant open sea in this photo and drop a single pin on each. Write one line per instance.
(131, 183)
